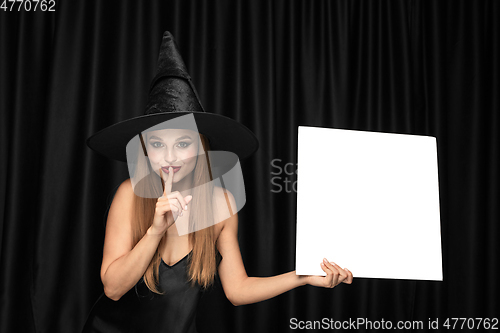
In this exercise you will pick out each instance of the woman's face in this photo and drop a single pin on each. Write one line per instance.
(177, 148)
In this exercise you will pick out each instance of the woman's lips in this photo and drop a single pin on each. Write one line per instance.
(174, 168)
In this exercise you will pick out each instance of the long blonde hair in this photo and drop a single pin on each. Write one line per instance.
(202, 260)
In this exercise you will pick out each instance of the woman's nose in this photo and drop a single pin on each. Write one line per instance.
(169, 156)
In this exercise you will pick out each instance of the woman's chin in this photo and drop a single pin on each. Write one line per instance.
(176, 179)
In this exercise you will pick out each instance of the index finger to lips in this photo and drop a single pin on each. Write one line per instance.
(168, 182)
(162, 183)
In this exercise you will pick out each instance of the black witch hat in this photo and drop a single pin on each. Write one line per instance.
(171, 95)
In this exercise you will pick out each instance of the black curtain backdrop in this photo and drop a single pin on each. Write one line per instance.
(414, 67)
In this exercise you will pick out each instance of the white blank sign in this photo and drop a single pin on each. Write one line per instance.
(368, 201)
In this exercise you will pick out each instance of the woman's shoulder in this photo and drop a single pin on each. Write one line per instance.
(221, 195)
(126, 186)
(125, 192)
(127, 183)
(224, 204)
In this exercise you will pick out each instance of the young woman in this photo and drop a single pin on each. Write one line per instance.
(152, 273)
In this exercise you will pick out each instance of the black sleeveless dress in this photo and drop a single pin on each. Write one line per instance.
(141, 310)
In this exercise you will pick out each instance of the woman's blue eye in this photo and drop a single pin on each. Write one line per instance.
(154, 144)
(158, 144)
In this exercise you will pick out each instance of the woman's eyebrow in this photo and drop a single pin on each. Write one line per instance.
(183, 137)
(154, 137)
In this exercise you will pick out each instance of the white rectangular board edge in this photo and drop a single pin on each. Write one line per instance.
(368, 201)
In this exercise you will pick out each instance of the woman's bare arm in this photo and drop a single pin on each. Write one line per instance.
(241, 289)
(123, 266)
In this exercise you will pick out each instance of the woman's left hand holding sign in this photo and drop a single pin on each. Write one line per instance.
(334, 276)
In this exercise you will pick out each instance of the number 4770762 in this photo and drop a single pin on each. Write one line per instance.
(28, 5)
(471, 323)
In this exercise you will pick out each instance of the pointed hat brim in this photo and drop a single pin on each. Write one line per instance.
(222, 132)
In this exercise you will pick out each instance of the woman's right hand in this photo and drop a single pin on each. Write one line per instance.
(169, 206)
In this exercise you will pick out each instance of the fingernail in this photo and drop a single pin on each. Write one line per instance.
(324, 259)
